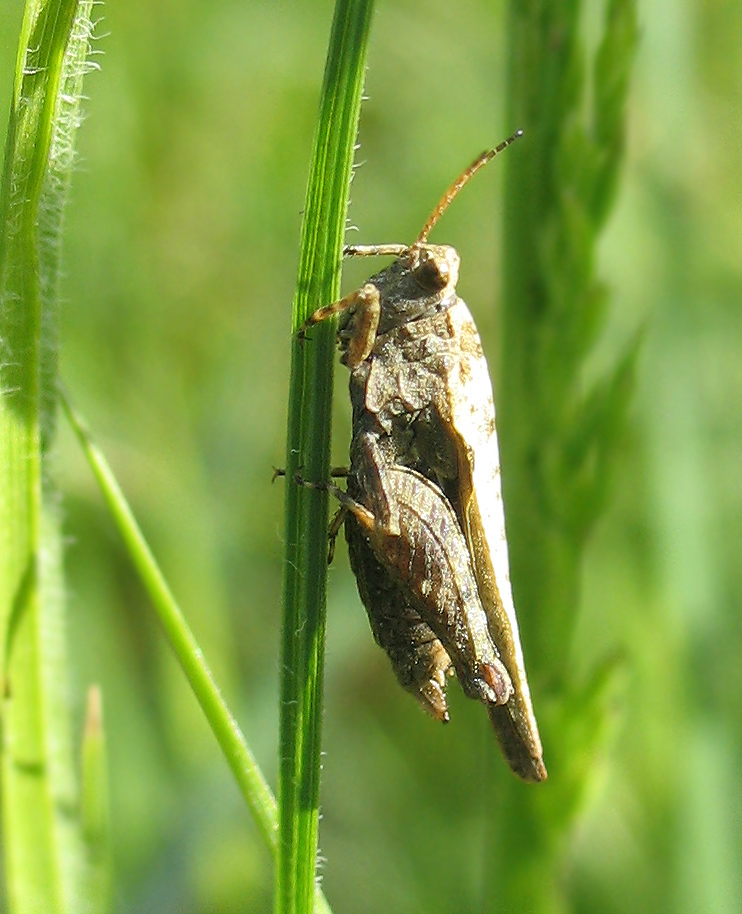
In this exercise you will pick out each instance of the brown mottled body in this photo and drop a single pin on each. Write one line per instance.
(425, 523)
(422, 397)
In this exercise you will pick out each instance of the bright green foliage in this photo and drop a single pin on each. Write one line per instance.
(45, 855)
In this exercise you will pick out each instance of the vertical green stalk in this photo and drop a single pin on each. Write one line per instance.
(308, 450)
(558, 434)
(45, 858)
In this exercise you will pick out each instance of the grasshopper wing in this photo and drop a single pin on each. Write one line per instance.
(472, 426)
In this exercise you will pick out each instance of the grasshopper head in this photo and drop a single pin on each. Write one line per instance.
(434, 267)
(420, 283)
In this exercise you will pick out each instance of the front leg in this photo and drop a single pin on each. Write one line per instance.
(360, 335)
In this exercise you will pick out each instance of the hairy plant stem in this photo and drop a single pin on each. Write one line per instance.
(47, 862)
(308, 450)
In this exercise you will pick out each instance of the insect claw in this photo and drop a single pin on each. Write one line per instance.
(306, 484)
(277, 472)
(332, 534)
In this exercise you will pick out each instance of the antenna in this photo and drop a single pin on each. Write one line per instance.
(462, 179)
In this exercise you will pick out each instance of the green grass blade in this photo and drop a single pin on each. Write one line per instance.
(253, 785)
(308, 448)
(45, 856)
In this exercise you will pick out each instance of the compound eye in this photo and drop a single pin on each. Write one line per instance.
(432, 272)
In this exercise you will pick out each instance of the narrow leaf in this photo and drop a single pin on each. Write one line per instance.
(308, 449)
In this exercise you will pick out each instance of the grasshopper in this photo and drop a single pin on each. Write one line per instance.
(423, 510)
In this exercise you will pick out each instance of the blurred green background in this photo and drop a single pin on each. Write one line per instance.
(180, 261)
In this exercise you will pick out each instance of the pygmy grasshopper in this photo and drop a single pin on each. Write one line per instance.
(423, 509)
